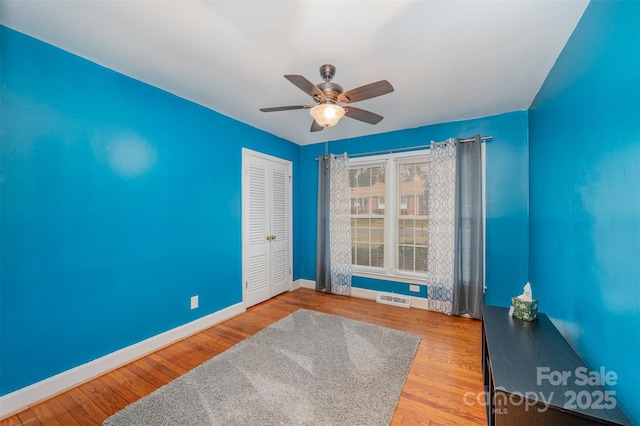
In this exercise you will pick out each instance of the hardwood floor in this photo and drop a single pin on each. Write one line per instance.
(447, 365)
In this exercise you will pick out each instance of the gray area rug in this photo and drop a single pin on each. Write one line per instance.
(306, 369)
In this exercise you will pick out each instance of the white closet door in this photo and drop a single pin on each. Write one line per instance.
(266, 216)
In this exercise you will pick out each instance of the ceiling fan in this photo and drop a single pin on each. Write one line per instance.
(327, 95)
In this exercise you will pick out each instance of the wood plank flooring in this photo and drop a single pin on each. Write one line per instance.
(441, 388)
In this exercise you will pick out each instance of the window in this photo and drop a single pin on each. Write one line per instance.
(411, 181)
(389, 214)
(367, 187)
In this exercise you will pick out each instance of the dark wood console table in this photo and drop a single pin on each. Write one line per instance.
(533, 377)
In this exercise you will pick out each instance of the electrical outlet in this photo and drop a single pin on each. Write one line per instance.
(194, 302)
(414, 288)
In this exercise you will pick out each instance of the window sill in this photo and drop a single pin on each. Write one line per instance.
(389, 277)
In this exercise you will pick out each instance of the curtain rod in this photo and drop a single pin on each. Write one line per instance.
(409, 148)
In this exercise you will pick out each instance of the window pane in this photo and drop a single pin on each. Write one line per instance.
(362, 255)
(354, 253)
(377, 255)
(405, 258)
(377, 230)
(421, 259)
(360, 229)
(412, 188)
(367, 190)
(353, 233)
(377, 242)
(411, 181)
(420, 232)
(401, 253)
(405, 231)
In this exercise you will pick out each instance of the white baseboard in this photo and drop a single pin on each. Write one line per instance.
(21, 399)
(420, 303)
(363, 293)
(310, 284)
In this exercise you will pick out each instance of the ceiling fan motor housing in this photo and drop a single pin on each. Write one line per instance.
(331, 92)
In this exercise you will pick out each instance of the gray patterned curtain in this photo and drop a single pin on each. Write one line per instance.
(455, 256)
(441, 185)
(333, 245)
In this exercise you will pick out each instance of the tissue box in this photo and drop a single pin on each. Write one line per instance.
(525, 310)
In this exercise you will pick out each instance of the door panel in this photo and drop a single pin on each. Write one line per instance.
(257, 286)
(279, 225)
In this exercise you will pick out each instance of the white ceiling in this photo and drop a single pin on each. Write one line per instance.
(447, 60)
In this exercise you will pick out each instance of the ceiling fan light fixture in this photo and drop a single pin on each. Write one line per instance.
(327, 115)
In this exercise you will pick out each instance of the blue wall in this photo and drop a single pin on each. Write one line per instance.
(119, 203)
(585, 193)
(507, 197)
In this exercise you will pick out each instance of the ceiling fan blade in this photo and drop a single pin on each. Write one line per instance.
(285, 108)
(363, 115)
(315, 127)
(367, 91)
(305, 85)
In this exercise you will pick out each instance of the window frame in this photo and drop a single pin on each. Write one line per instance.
(391, 216)
(390, 272)
(371, 269)
(405, 200)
